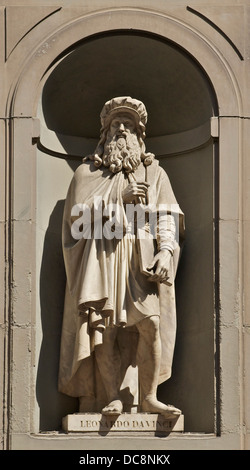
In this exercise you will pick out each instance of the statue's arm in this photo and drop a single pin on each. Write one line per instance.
(166, 232)
(161, 263)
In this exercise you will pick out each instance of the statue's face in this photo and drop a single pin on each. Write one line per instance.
(122, 150)
(122, 123)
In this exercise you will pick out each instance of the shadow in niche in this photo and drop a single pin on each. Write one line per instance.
(53, 405)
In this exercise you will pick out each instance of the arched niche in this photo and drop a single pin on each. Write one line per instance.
(34, 230)
(180, 102)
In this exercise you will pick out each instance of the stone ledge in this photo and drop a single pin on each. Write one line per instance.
(126, 422)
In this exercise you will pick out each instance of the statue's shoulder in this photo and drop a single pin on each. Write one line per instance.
(158, 176)
(157, 170)
(155, 163)
(84, 170)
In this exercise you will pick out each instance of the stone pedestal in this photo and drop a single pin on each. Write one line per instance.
(124, 423)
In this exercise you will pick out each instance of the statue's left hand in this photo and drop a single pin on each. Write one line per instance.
(160, 266)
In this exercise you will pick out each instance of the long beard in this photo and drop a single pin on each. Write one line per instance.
(122, 153)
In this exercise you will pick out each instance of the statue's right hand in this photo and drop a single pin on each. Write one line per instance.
(135, 190)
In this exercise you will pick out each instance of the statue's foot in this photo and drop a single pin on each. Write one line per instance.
(115, 407)
(152, 405)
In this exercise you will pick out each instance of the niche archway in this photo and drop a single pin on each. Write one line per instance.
(28, 413)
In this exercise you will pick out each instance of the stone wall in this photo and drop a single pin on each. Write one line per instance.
(189, 64)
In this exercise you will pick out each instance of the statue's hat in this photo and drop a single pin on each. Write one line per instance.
(124, 104)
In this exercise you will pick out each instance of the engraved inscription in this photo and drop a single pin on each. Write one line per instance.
(91, 422)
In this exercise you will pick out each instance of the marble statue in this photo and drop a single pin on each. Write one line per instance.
(120, 298)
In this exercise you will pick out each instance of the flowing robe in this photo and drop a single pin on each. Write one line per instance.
(105, 286)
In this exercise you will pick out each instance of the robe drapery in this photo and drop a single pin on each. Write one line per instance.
(105, 286)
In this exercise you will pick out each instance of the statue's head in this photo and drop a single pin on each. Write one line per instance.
(121, 144)
(126, 105)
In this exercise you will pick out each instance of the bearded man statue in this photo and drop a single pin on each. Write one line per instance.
(119, 308)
